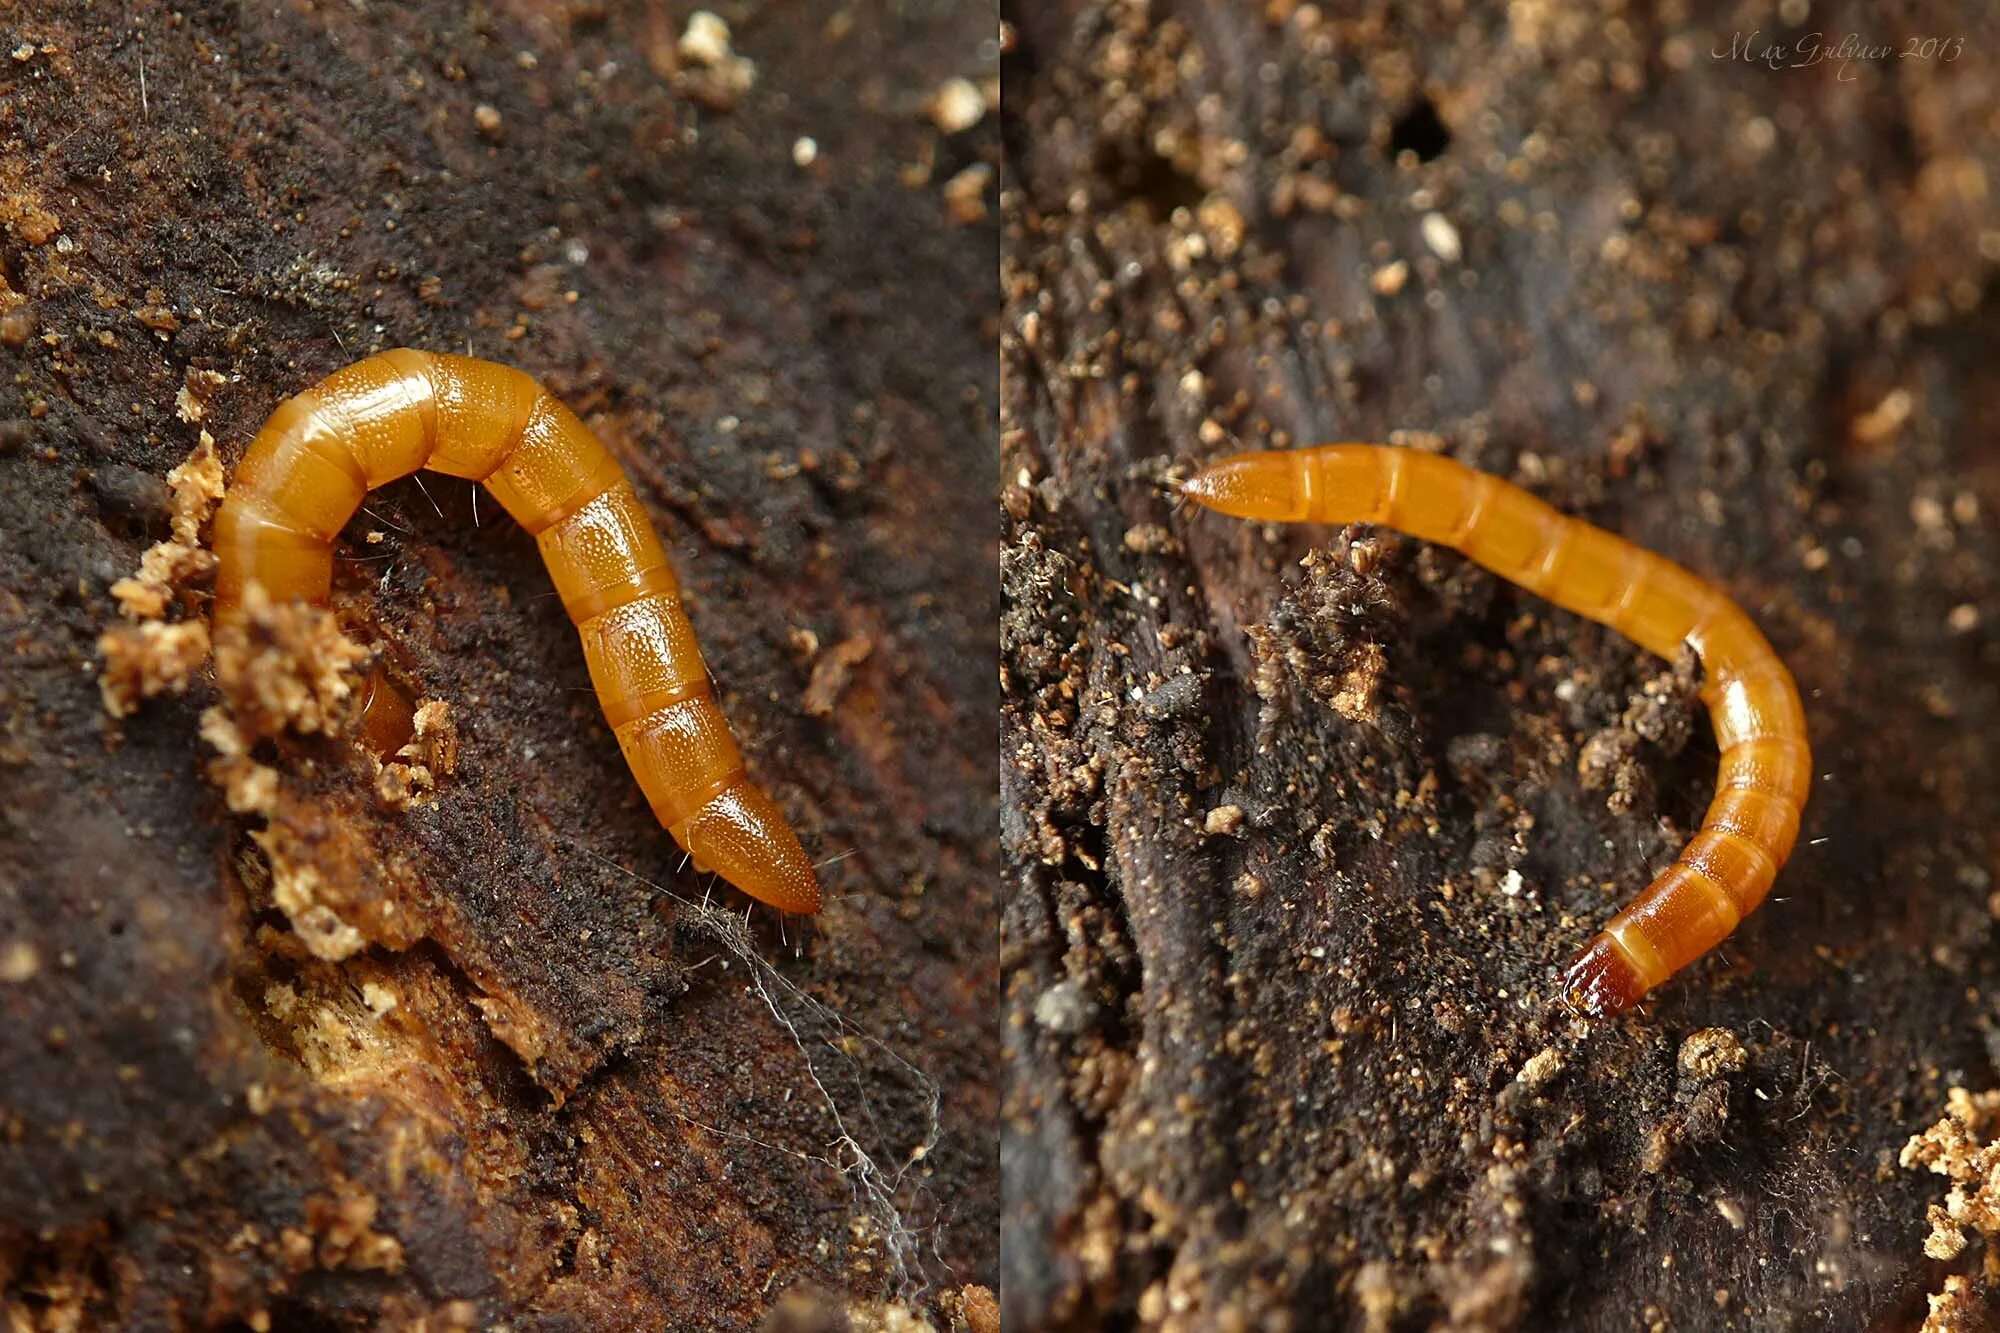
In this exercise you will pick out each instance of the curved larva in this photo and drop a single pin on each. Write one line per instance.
(388, 416)
(1759, 723)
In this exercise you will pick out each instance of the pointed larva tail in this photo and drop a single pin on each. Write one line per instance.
(1255, 486)
(742, 836)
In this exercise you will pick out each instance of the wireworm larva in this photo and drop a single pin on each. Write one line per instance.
(384, 418)
(1760, 725)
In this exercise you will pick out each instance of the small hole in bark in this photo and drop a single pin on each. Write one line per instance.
(1419, 130)
(1152, 180)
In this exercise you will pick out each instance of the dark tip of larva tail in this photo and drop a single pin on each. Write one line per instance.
(1602, 982)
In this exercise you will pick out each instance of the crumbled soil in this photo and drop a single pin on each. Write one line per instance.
(1302, 1066)
(517, 1074)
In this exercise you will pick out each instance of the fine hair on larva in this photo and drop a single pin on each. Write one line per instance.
(396, 413)
(1728, 867)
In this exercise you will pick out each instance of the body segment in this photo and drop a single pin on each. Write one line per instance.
(1726, 870)
(386, 417)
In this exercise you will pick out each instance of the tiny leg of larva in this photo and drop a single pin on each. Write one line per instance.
(1728, 867)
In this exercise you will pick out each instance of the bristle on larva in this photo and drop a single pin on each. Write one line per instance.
(1726, 870)
(396, 413)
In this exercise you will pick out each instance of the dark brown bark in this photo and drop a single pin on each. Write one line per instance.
(582, 1110)
(1294, 857)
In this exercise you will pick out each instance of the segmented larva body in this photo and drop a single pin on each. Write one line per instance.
(386, 417)
(1759, 723)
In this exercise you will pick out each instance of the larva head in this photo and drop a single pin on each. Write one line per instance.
(1262, 486)
(742, 836)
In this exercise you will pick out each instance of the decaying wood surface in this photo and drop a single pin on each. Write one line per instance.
(1295, 854)
(545, 1087)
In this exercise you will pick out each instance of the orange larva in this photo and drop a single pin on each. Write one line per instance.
(386, 417)
(1759, 723)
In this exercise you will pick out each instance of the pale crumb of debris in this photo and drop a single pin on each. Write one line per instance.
(1955, 1309)
(1710, 1052)
(248, 787)
(156, 314)
(433, 737)
(1511, 883)
(1223, 222)
(724, 86)
(259, 1097)
(165, 569)
(486, 119)
(1540, 1067)
(191, 402)
(168, 567)
(378, 997)
(1224, 820)
(1064, 1008)
(347, 1237)
(1964, 618)
(295, 886)
(965, 193)
(1147, 538)
(24, 52)
(19, 961)
(222, 733)
(805, 151)
(1732, 1213)
(1376, 1292)
(957, 105)
(1959, 1148)
(402, 786)
(832, 672)
(411, 778)
(282, 999)
(722, 77)
(881, 1317)
(1882, 421)
(1361, 683)
(197, 487)
(38, 226)
(706, 41)
(979, 1307)
(459, 1316)
(1442, 237)
(143, 660)
(285, 667)
(1389, 279)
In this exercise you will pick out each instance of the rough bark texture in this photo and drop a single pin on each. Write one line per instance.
(555, 1092)
(1294, 856)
